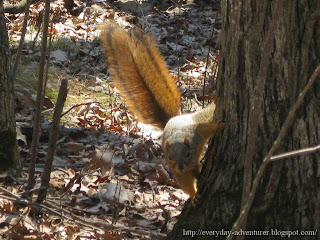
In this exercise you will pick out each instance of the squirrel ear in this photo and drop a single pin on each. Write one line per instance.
(167, 145)
(186, 141)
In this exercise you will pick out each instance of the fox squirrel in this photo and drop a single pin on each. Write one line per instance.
(143, 79)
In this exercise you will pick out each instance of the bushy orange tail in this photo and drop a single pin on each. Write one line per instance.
(141, 75)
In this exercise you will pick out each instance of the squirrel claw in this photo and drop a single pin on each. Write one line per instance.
(195, 200)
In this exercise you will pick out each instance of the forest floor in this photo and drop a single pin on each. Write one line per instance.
(109, 178)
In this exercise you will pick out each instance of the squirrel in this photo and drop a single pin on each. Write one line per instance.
(143, 79)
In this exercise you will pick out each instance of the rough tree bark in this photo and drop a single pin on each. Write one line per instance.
(269, 50)
(8, 146)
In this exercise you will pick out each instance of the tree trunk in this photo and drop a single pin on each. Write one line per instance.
(269, 50)
(8, 146)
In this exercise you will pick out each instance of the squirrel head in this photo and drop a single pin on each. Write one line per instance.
(179, 154)
(184, 139)
(183, 164)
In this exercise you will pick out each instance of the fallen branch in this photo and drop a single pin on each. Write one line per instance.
(103, 226)
(77, 105)
(51, 208)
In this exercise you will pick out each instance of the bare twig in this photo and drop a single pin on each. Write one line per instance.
(45, 178)
(28, 192)
(77, 105)
(21, 218)
(36, 120)
(277, 143)
(295, 153)
(103, 226)
(51, 208)
(23, 34)
(207, 59)
(8, 192)
(47, 66)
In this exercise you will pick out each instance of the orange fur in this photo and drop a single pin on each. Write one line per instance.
(140, 74)
(144, 81)
(187, 177)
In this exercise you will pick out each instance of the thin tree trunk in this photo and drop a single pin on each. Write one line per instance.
(8, 146)
(38, 107)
